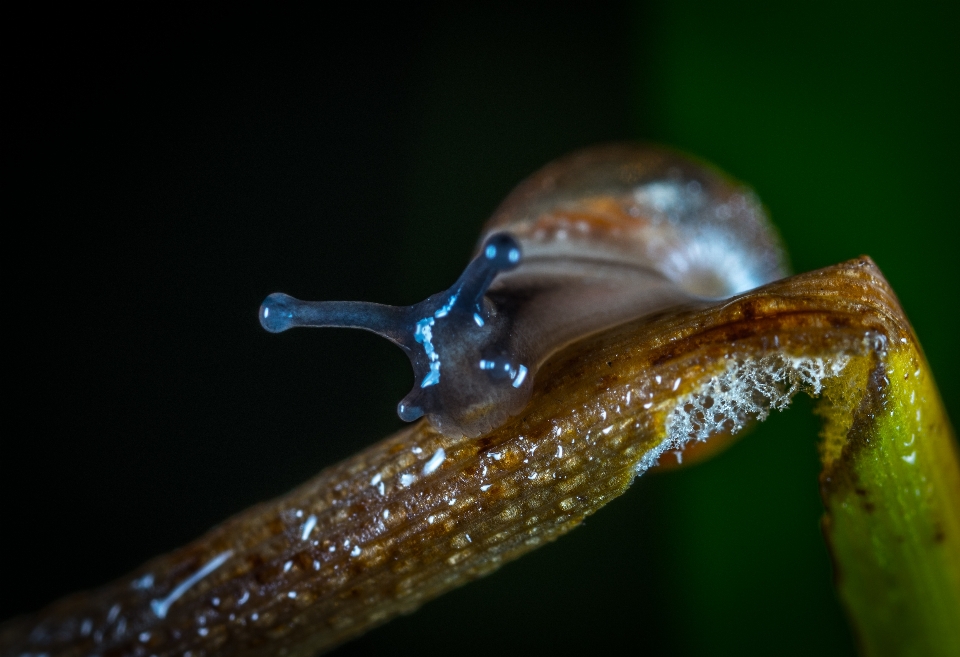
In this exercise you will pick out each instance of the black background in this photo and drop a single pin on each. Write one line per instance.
(166, 174)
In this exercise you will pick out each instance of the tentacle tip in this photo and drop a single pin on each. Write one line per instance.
(409, 412)
(277, 313)
(502, 251)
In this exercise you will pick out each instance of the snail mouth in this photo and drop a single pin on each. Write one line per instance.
(477, 419)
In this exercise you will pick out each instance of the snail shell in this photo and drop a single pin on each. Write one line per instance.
(594, 239)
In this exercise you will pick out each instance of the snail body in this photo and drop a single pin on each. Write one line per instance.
(594, 239)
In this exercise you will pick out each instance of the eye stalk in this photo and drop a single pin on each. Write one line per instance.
(448, 338)
(502, 251)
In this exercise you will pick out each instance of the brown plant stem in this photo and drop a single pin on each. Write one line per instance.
(420, 513)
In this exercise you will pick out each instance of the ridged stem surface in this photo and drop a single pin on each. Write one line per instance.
(419, 513)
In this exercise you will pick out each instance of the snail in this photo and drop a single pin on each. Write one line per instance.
(592, 240)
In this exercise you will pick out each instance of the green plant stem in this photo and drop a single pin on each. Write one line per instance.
(892, 496)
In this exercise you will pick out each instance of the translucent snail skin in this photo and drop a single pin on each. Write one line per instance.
(595, 239)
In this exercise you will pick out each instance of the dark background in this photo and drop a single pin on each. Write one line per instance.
(165, 175)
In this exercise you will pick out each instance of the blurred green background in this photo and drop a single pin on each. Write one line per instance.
(172, 174)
